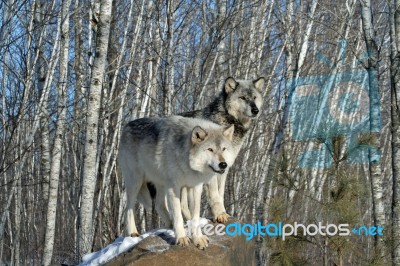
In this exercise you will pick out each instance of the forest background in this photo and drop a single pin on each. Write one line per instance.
(324, 149)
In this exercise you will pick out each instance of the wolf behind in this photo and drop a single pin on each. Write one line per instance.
(238, 104)
(172, 153)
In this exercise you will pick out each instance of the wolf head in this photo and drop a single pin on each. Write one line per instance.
(212, 149)
(244, 97)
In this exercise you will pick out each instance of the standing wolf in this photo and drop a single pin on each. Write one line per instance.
(172, 153)
(238, 104)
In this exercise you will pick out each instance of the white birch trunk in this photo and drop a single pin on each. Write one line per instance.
(55, 167)
(5, 37)
(152, 91)
(45, 145)
(304, 46)
(85, 238)
(169, 86)
(17, 223)
(374, 165)
(395, 115)
(141, 110)
(221, 47)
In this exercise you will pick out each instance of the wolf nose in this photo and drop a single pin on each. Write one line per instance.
(254, 110)
(222, 165)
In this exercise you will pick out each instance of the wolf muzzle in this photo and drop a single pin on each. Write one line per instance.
(254, 109)
(223, 165)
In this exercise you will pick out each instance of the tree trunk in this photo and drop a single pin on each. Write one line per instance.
(55, 167)
(374, 165)
(222, 65)
(85, 238)
(395, 115)
(169, 80)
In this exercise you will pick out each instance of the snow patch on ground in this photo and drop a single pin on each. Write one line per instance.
(122, 244)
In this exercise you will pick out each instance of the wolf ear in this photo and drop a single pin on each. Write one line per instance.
(259, 83)
(198, 135)
(228, 132)
(230, 85)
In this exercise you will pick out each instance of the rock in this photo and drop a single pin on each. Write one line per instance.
(152, 244)
(222, 250)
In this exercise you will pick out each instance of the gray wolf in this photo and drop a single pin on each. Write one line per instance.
(172, 153)
(238, 104)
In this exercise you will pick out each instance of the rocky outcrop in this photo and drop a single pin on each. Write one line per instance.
(159, 251)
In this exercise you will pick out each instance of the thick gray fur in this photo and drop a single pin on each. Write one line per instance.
(172, 153)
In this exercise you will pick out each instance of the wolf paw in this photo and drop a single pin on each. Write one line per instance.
(200, 241)
(134, 235)
(183, 241)
(222, 218)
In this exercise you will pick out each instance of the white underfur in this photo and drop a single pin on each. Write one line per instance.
(171, 166)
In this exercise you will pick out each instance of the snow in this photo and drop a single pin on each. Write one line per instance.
(122, 244)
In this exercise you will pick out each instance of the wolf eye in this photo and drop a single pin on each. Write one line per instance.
(243, 98)
(254, 97)
(211, 150)
(223, 149)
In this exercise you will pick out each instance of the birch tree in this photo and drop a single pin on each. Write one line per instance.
(395, 116)
(183, 50)
(169, 84)
(55, 167)
(372, 69)
(221, 53)
(89, 173)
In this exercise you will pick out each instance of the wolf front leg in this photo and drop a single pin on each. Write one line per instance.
(199, 240)
(221, 186)
(185, 195)
(217, 207)
(174, 206)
